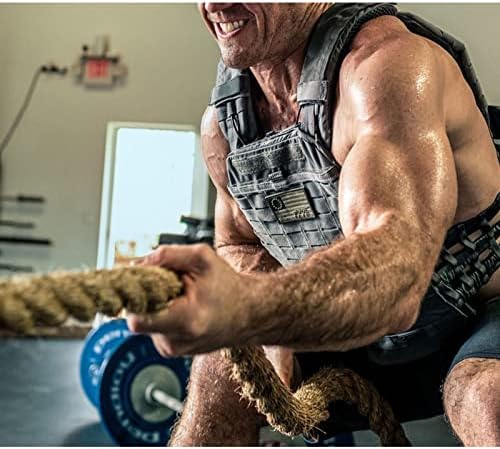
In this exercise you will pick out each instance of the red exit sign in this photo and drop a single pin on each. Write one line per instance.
(98, 72)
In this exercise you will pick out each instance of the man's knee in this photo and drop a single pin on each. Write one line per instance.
(214, 413)
(472, 401)
(210, 373)
(210, 364)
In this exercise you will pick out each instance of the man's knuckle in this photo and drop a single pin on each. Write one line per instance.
(155, 257)
(203, 249)
(159, 345)
(176, 349)
(195, 328)
(161, 251)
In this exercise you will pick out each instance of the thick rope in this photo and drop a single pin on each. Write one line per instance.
(27, 302)
(300, 412)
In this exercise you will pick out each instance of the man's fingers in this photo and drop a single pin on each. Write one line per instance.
(187, 258)
(170, 321)
(168, 348)
(136, 261)
(189, 284)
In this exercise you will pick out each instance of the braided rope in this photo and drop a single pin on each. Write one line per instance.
(29, 301)
(300, 412)
(49, 300)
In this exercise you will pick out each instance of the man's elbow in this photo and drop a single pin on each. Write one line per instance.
(406, 315)
(415, 271)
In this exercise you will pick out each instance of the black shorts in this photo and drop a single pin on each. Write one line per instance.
(413, 389)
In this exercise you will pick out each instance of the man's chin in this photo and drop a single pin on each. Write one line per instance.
(236, 61)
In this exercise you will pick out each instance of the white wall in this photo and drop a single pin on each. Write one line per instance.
(58, 150)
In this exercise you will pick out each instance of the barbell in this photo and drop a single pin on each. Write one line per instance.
(137, 392)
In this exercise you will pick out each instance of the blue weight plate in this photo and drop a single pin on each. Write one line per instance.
(98, 346)
(126, 427)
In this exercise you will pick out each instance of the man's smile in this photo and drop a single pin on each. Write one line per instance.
(229, 29)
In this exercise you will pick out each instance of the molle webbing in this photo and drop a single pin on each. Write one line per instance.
(461, 273)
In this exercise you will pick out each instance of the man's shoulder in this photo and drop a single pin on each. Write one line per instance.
(389, 74)
(214, 147)
(210, 130)
(384, 46)
(377, 34)
(386, 59)
(209, 123)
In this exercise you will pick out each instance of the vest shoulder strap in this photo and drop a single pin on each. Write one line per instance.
(330, 43)
(327, 48)
(232, 100)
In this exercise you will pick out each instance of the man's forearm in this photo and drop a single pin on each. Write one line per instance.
(247, 258)
(348, 295)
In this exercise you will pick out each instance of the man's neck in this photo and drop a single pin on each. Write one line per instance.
(278, 79)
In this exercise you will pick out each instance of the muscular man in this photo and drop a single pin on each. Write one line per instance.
(356, 219)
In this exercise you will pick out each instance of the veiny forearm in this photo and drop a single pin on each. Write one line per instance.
(348, 295)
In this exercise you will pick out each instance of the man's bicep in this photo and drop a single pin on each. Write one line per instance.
(231, 226)
(414, 181)
(235, 240)
(401, 160)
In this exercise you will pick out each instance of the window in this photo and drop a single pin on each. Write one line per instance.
(153, 174)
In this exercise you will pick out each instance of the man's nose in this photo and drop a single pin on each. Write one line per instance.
(216, 7)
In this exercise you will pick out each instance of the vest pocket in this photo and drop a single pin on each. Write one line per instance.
(286, 186)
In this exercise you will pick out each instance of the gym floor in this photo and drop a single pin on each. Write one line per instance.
(44, 404)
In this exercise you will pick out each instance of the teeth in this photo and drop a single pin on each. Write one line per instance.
(227, 27)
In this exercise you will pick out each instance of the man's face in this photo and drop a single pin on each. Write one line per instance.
(250, 33)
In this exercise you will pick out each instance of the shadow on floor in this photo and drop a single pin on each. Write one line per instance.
(88, 435)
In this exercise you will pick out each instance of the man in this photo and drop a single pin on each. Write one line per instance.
(349, 152)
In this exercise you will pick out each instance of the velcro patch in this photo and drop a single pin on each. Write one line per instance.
(269, 158)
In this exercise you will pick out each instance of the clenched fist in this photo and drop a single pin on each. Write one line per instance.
(212, 312)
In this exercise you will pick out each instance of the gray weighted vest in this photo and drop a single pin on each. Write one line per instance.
(286, 182)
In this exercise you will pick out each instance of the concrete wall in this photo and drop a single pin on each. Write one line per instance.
(58, 150)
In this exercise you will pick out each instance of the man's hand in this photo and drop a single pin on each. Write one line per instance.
(209, 315)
